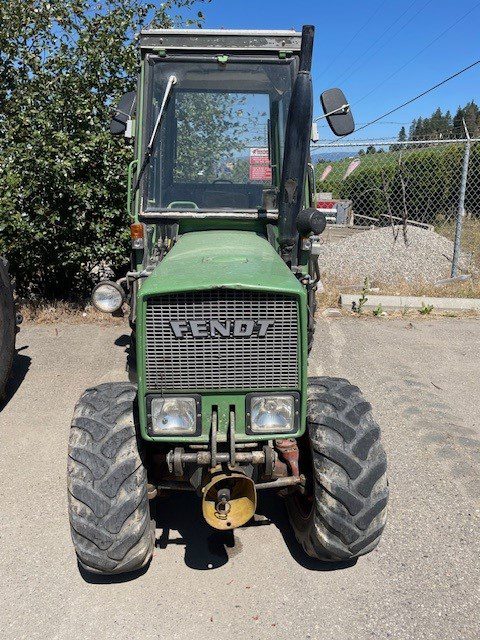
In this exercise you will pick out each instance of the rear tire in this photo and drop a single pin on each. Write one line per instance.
(7, 326)
(343, 513)
(107, 483)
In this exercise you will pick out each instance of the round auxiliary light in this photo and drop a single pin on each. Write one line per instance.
(108, 296)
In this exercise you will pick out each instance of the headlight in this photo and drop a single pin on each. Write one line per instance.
(272, 413)
(173, 416)
(108, 297)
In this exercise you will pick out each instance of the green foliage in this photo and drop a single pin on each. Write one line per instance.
(425, 309)
(213, 137)
(431, 176)
(378, 310)
(402, 135)
(358, 308)
(442, 125)
(62, 176)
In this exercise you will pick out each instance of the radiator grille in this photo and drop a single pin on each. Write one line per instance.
(221, 362)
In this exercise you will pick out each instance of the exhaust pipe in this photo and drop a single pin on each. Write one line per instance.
(229, 500)
(297, 148)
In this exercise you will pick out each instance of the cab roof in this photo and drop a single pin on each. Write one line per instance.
(220, 40)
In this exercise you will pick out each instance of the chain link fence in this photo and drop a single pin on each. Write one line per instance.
(434, 184)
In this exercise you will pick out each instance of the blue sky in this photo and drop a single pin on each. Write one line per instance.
(359, 71)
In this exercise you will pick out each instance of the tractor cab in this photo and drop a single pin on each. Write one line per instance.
(211, 118)
(220, 142)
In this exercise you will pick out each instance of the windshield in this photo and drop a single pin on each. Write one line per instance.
(220, 143)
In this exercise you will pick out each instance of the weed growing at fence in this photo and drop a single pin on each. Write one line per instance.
(425, 309)
(358, 308)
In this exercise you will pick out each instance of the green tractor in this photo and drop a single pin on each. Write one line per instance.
(8, 326)
(221, 292)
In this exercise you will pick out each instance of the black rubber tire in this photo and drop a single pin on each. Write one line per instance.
(107, 483)
(344, 513)
(7, 326)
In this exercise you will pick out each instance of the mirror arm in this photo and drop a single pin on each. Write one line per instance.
(123, 113)
(345, 108)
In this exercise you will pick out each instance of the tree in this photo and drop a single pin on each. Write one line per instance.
(442, 126)
(471, 115)
(458, 129)
(402, 135)
(62, 176)
(448, 124)
(411, 131)
(214, 131)
(418, 130)
(371, 149)
(435, 125)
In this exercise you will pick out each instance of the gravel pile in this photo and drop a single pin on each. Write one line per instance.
(425, 258)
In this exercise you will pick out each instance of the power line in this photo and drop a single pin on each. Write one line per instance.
(326, 126)
(345, 48)
(418, 54)
(420, 95)
(357, 58)
(376, 51)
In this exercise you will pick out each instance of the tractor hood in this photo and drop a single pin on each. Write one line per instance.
(221, 259)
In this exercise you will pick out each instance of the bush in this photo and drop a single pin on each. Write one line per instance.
(62, 176)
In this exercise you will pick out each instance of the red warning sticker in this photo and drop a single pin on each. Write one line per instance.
(260, 169)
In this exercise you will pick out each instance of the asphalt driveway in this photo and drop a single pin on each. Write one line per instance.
(423, 379)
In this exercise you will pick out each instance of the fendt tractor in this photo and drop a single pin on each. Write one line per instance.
(221, 291)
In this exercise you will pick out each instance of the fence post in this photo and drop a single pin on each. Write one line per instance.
(461, 206)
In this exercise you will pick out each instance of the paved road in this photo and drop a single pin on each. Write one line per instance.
(421, 582)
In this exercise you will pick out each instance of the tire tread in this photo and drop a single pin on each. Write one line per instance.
(349, 463)
(107, 483)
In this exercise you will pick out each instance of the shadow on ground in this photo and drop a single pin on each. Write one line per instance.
(128, 342)
(20, 367)
(95, 578)
(180, 522)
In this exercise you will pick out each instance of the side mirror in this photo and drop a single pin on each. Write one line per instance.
(337, 112)
(123, 114)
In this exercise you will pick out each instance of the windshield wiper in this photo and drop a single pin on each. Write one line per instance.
(149, 150)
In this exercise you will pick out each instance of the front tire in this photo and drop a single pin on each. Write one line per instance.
(107, 483)
(343, 513)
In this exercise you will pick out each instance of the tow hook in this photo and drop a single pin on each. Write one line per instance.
(223, 505)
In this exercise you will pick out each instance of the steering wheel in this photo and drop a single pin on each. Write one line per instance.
(222, 180)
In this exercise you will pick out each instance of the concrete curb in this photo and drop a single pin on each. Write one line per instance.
(398, 303)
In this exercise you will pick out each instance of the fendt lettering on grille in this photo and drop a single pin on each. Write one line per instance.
(216, 328)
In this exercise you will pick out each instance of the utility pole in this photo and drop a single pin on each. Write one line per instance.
(461, 205)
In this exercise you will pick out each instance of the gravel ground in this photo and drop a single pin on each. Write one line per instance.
(425, 258)
(420, 583)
